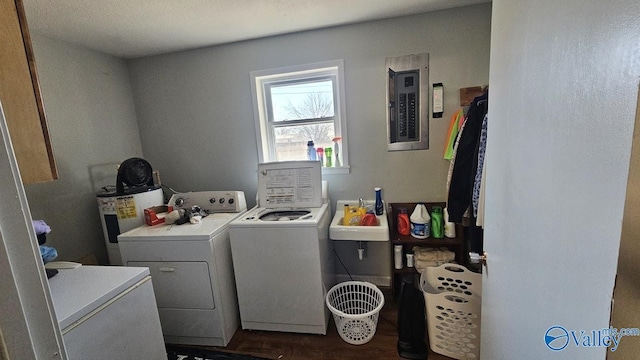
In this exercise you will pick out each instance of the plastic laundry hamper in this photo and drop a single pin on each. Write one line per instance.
(355, 306)
(453, 299)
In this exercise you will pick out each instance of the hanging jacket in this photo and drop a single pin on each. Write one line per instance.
(466, 160)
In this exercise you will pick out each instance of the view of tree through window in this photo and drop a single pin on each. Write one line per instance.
(302, 112)
(297, 104)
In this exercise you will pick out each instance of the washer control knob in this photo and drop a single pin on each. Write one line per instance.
(179, 202)
(231, 201)
(221, 201)
(212, 200)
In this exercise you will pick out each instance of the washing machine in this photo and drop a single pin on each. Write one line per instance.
(191, 268)
(282, 255)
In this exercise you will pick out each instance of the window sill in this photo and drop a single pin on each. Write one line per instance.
(335, 170)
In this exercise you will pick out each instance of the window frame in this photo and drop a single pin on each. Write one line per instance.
(261, 83)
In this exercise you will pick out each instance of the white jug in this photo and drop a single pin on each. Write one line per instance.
(420, 222)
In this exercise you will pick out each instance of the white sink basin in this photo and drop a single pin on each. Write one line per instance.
(337, 231)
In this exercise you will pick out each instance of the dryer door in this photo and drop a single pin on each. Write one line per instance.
(180, 284)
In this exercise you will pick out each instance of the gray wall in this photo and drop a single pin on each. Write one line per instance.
(561, 115)
(89, 106)
(196, 122)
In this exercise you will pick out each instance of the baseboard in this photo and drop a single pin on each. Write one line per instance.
(376, 280)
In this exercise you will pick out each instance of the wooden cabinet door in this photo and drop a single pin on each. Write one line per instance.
(20, 96)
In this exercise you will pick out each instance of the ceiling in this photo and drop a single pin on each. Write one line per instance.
(137, 28)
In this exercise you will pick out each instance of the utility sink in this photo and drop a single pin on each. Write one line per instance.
(338, 231)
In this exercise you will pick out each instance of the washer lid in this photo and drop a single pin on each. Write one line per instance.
(290, 184)
(285, 215)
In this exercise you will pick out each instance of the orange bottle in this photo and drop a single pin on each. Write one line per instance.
(369, 219)
(404, 226)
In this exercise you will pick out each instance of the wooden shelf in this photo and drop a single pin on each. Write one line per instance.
(457, 244)
(409, 240)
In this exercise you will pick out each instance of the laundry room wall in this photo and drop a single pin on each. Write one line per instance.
(89, 105)
(195, 113)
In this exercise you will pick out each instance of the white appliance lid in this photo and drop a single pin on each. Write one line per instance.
(205, 230)
(77, 292)
(290, 184)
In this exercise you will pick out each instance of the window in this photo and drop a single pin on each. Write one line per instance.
(298, 104)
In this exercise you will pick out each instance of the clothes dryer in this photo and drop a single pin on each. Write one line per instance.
(282, 255)
(192, 269)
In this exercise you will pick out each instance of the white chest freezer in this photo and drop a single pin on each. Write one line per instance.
(107, 312)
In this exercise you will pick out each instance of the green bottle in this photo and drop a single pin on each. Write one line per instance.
(327, 153)
(437, 222)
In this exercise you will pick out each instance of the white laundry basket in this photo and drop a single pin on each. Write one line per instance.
(355, 306)
(453, 299)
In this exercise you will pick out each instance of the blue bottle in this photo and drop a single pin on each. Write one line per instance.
(379, 205)
(311, 151)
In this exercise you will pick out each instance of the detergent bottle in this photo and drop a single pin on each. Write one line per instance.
(369, 219)
(420, 222)
(449, 227)
(404, 227)
(353, 215)
(437, 222)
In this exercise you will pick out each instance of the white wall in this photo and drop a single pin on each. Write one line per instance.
(564, 81)
(196, 121)
(89, 106)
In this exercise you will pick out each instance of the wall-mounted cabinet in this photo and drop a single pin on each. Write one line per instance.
(21, 99)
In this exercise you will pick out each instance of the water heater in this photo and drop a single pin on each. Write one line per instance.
(121, 213)
(121, 207)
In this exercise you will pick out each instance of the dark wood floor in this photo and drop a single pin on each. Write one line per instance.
(277, 345)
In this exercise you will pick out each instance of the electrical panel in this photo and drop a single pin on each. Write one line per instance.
(407, 102)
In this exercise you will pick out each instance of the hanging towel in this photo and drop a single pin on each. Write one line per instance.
(454, 127)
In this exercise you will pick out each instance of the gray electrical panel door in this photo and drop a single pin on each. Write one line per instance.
(407, 102)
